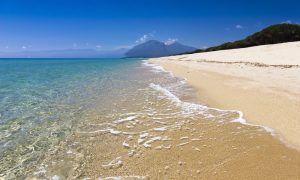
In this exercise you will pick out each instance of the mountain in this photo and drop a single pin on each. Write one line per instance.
(274, 34)
(177, 48)
(155, 48)
(66, 53)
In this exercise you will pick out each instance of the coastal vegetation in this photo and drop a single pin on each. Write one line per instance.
(279, 33)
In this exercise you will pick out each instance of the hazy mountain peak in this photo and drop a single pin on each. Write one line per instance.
(154, 48)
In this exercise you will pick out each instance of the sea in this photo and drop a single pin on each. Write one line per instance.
(123, 119)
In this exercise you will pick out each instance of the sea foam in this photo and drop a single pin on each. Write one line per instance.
(189, 107)
(154, 67)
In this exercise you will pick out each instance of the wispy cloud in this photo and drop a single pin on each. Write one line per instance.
(170, 41)
(287, 22)
(140, 40)
(144, 38)
(24, 47)
(238, 26)
(98, 46)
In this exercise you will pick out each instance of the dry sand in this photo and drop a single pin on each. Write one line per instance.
(263, 82)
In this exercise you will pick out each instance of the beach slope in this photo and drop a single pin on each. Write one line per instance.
(262, 81)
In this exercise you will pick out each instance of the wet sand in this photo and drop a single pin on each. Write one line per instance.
(198, 147)
(210, 153)
(263, 82)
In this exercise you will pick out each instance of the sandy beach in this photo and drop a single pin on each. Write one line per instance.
(263, 82)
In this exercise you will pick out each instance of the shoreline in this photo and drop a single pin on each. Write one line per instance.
(267, 94)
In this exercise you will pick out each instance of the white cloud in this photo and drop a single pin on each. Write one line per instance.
(140, 40)
(144, 38)
(24, 47)
(98, 46)
(6, 47)
(238, 26)
(170, 41)
(287, 22)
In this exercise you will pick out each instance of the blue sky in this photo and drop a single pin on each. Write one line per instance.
(35, 25)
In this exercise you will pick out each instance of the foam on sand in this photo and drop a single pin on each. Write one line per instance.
(192, 107)
(116, 163)
(129, 118)
(154, 67)
(126, 145)
(147, 144)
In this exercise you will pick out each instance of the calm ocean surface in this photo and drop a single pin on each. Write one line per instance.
(109, 118)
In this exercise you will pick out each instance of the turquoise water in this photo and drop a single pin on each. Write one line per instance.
(42, 99)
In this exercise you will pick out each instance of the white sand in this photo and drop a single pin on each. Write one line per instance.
(276, 54)
(263, 82)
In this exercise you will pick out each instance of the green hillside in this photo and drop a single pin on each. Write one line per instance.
(278, 33)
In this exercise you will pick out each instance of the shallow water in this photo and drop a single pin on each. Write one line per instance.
(117, 118)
